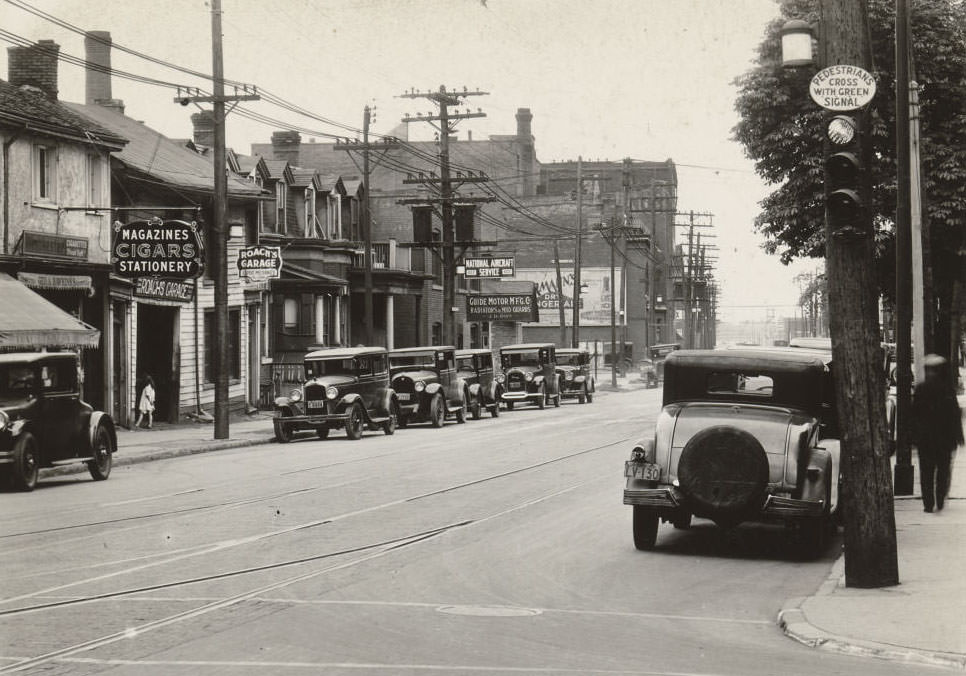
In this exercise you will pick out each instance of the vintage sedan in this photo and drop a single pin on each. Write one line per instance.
(428, 387)
(475, 368)
(44, 422)
(529, 374)
(744, 435)
(344, 388)
(576, 381)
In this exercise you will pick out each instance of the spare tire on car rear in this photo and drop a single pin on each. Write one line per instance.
(723, 471)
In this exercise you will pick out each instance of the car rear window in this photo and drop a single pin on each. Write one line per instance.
(735, 382)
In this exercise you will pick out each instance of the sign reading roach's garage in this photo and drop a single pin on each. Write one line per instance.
(157, 248)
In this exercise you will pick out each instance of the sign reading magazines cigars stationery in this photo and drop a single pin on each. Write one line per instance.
(157, 248)
(501, 307)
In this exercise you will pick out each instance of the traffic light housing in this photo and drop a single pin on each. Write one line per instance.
(844, 177)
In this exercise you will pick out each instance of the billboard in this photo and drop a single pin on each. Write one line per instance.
(594, 299)
(493, 307)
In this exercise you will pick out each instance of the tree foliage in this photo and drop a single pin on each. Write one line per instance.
(781, 130)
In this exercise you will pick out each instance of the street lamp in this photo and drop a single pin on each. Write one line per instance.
(797, 38)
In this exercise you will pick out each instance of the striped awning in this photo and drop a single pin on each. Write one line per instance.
(28, 320)
(37, 280)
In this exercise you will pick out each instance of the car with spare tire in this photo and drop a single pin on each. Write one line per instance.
(744, 435)
(427, 385)
(45, 423)
(344, 388)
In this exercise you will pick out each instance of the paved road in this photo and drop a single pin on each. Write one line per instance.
(495, 547)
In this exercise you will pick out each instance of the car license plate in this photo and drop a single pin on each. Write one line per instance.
(647, 471)
(514, 386)
(403, 396)
(315, 403)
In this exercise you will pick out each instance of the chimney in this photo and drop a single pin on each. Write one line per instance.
(35, 65)
(285, 146)
(524, 118)
(526, 151)
(97, 50)
(204, 128)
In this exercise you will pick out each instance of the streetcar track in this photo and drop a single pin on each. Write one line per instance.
(224, 545)
(220, 604)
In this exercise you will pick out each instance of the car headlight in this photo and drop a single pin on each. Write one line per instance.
(569, 375)
(419, 386)
(331, 392)
(4, 420)
(295, 395)
(500, 378)
(528, 376)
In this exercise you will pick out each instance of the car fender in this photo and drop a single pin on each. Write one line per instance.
(833, 447)
(386, 400)
(433, 388)
(820, 478)
(348, 400)
(101, 419)
(580, 379)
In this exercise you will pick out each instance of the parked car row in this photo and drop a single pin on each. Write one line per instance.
(370, 387)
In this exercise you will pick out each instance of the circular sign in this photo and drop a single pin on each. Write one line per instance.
(842, 87)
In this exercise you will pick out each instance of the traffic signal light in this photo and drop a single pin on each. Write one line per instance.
(844, 208)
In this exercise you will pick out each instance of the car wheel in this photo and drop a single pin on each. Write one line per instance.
(582, 395)
(389, 427)
(322, 431)
(645, 528)
(495, 408)
(283, 433)
(26, 463)
(355, 423)
(590, 395)
(461, 411)
(402, 422)
(556, 399)
(476, 408)
(542, 401)
(509, 406)
(682, 521)
(437, 411)
(100, 466)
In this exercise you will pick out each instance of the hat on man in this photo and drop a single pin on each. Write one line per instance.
(934, 361)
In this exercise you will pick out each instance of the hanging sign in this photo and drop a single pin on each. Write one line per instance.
(490, 267)
(842, 88)
(157, 248)
(164, 289)
(512, 307)
(259, 263)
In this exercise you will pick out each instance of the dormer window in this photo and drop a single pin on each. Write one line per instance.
(281, 194)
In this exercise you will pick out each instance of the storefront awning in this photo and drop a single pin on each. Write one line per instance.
(28, 320)
(36, 280)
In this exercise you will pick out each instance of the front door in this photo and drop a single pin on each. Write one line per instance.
(157, 357)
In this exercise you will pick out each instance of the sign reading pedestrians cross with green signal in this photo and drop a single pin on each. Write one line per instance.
(842, 88)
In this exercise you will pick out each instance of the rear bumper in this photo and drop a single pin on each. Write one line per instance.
(775, 506)
(790, 508)
(664, 497)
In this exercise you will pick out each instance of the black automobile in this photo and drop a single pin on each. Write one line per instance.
(529, 374)
(344, 387)
(427, 385)
(44, 422)
(576, 381)
(475, 368)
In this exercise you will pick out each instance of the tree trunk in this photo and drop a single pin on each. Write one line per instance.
(870, 535)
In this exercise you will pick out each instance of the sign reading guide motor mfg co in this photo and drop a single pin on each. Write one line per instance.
(157, 248)
(515, 307)
(842, 88)
(259, 263)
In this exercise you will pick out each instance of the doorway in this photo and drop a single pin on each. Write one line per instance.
(158, 356)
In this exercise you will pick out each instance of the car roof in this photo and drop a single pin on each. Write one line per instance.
(571, 350)
(526, 346)
(812, 343)
(473, 351)
(31, 357)
(344, 352)
(420, 350)
(790, 358)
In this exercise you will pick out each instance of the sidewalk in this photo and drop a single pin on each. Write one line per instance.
(171, 440)
(921, 620)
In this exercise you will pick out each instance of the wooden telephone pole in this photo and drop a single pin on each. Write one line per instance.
(870, 532)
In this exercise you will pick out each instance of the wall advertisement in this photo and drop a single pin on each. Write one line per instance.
(594, 299)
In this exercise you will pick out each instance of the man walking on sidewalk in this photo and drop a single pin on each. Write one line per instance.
(937, 430)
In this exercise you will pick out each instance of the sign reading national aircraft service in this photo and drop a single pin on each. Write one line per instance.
(842, 88)
(259, 263)
(157, 248)
(491, 267)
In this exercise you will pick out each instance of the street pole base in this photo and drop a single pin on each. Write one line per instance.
(903, 481)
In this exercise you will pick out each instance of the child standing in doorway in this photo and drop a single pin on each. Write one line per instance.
(146, 404)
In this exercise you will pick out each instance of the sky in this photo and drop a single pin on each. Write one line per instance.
(604, 79)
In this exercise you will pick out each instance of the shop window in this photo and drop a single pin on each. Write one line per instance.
(437, 333)
(44, 170)
(232, 344)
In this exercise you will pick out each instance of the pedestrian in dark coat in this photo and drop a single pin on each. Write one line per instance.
(937, 430)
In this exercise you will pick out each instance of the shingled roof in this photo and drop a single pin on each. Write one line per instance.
(29, 107)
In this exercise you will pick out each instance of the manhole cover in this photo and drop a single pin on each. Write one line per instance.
(489, 611)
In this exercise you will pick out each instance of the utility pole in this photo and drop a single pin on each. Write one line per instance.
(870, 534)
(444, 100)
(613, 305)
(218, 255)
(626, 187)
(575, 335)
(366, 148)
(560, 296)
(688, 289)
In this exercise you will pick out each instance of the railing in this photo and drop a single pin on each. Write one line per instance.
(386, 256)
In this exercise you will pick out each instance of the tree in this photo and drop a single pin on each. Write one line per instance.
(781, 130)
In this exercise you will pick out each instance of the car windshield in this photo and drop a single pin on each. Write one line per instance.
(740, 383)
(465, 364)
(568, 359)
(330, 367)
(528, 358)
(423, 361)
(16, 382)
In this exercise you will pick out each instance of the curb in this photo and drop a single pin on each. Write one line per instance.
(123, 460)
(794, 623)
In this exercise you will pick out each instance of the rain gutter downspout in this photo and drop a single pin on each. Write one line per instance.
(6, 187)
